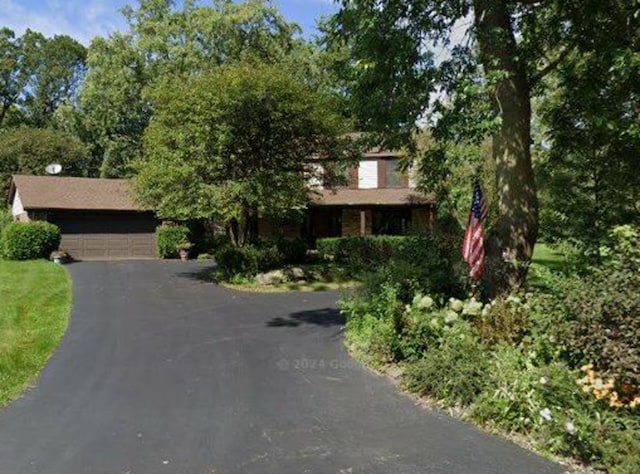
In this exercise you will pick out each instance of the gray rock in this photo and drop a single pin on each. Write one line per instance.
(296, 273)
(270, 278)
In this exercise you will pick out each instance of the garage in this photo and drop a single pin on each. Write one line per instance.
(99, 218)
(106, 236)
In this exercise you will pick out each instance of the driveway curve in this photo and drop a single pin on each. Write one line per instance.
(163, 372)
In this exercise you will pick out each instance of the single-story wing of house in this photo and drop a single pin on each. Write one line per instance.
(99, 218)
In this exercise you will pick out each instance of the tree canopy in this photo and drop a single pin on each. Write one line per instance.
(27, 150)
(237, 142)
(37, 75)
(163, 41)
(473, 68)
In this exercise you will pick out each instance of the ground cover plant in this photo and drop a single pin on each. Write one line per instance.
(36, 301)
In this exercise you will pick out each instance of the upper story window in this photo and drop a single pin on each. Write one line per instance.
(390, 175)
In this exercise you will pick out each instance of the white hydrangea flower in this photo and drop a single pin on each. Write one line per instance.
(570, 427)
(543, 381)
(514, 299)
(473, 307)
(455, 304)
(426, 302)
(450, 317)
(545, 414)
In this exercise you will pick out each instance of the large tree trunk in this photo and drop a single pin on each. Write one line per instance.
(512, 239)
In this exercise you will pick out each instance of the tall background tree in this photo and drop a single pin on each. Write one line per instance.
(164, 41)
(37, 75)
(27, 150)
(500, 55)
(587, 169)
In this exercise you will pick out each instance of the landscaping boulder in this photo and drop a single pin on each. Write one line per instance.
(274, 277)
(296, 274)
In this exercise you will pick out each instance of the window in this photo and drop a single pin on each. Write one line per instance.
(392, 174)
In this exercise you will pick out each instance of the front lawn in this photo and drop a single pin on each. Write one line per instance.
(548, 256)
(36, 301)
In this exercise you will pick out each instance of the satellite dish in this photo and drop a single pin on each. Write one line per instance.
(53, 168)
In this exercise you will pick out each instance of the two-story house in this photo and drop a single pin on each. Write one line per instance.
(378, 199)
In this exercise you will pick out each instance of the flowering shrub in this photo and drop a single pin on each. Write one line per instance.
(514, 363)
(616, 393)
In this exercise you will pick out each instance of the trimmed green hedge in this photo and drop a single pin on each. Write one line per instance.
(29, 240)
(428, 262)
(365, 253)
(246, 261)
(168, 236)
(291, 251)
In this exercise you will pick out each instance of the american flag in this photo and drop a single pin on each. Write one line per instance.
(473, 244)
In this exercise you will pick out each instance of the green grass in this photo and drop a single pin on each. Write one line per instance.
(36, 302)
(319, 277)
(547, 256)
(254, 287)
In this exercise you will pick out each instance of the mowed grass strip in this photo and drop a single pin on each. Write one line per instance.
(546, 255)
(35, 302)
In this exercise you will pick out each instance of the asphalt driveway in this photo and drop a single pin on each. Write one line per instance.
(162, 372)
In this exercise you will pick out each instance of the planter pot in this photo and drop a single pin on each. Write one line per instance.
(184, 255)
(58, 260)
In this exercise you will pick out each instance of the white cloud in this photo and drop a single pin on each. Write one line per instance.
(79, 19)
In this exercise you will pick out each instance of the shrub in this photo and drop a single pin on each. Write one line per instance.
(168, 237)
(411, 263)
(454, 372)
(29, 240)
(207, 243)
(246, 261)
(292, 251)
(373, 323)
(361, 253)
(504, 320)
(606, 324)
(5, 218)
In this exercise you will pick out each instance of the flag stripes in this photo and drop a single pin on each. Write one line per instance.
(473, 243)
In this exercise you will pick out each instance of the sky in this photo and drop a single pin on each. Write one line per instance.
(84, 19)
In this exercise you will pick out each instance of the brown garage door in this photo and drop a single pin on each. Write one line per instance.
(107, 236)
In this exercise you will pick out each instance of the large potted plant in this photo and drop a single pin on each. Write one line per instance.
(183, 249)
(59, 257)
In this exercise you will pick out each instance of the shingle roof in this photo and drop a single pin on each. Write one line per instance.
(59, 192)
(373, 197)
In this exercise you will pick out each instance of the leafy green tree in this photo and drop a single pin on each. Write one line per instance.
(500, 54)
(588, 173)
(37, 75)
(16, 68)
(163, 41)
(59, 67)
(236, 143)
(112, 110)
(25, 150)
